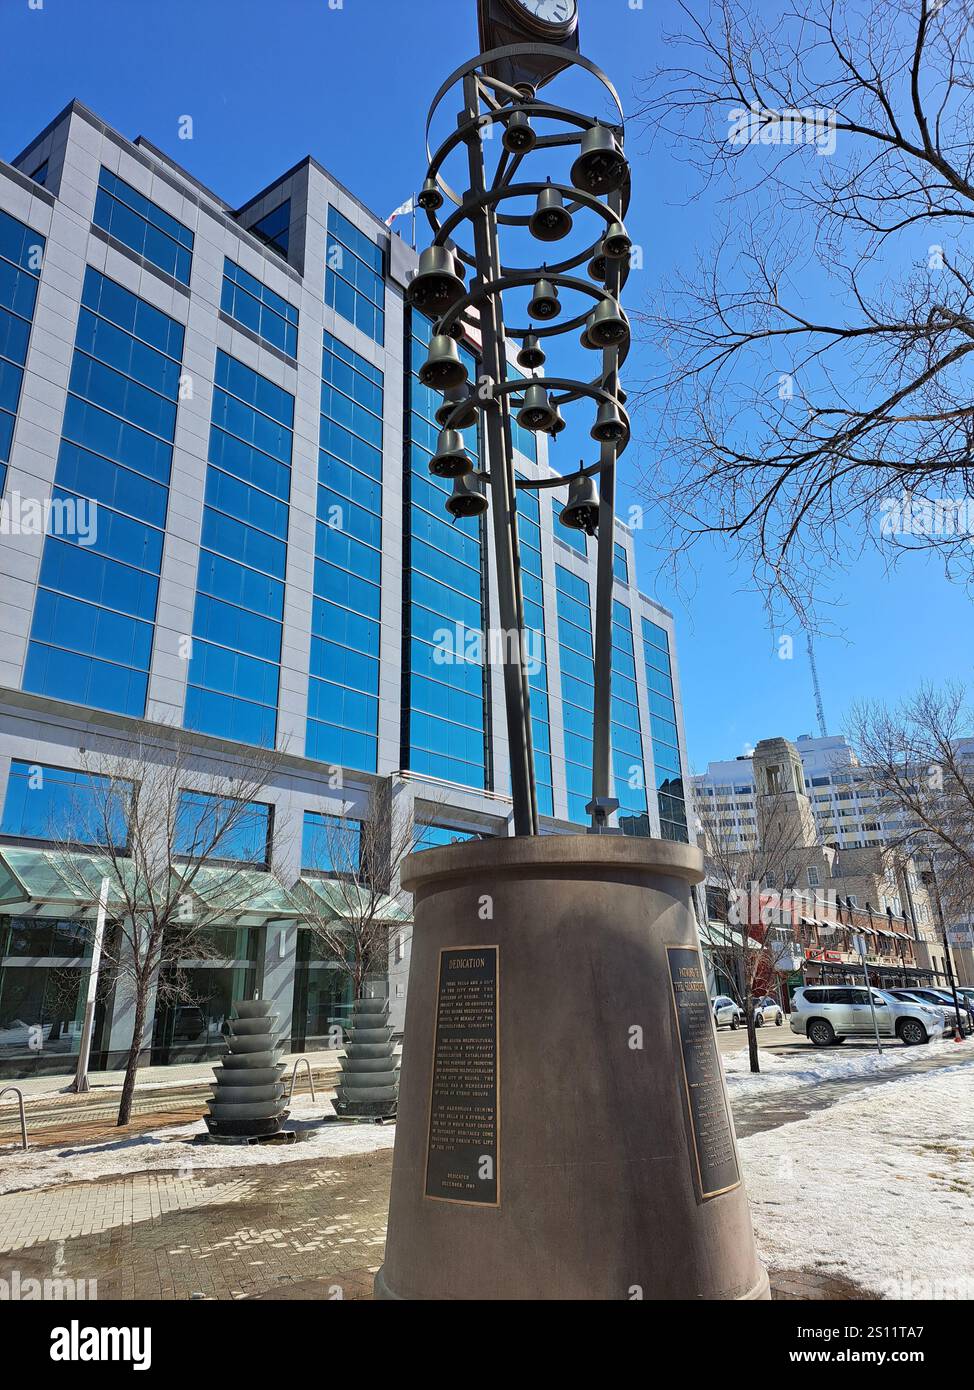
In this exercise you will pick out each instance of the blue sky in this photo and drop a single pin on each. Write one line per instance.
(269, 81)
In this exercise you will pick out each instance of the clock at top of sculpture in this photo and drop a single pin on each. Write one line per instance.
(550, 17)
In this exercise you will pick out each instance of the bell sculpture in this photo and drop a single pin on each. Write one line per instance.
(369, 1085)
(248, 1098)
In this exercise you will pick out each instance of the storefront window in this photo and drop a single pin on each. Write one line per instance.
(322, 997)
(43, 988)
(196, 1001)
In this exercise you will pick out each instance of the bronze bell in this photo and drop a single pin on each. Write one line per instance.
(519, 134)
(443, 369)
(617, 243)
(451, 459)
(611, 426)
(545, 303)
(468, 498)
(468, 417)
(610, 327)
(601, 167)
(596, 267)
(532, 354)
(585, 337)
(551, 220)
(537, 412)
(429, 198)
(436, 286)
(558, 423)
(582, 510)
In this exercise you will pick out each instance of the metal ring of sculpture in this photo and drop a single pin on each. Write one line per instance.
(482, 61)
(611, 206)
(586, 202)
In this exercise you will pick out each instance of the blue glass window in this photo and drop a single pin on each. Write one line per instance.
(55, 803)
(529, 532)
(354, 280)
(218, 827)
(91, 638)
(663, 728)
(577, 687)
(40, 174)
(272, 318)
(331, 844)
(274, 228)
(343, 704)
(133, 219)
(433, 836)
(21, 255)
(234, 673)
(620, 563)
(625, 730)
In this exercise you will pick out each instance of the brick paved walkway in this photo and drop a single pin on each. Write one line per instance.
(226, 1235)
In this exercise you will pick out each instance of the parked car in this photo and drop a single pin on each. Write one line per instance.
(727, 1011)
(941, 999)
(767, 1010)
(828, 1014)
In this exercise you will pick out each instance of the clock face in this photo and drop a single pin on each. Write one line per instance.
(547, 14)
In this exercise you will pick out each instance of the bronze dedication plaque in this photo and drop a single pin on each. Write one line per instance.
(462, 1151)
(715, 1154)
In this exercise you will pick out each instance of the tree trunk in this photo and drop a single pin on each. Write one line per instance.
(752, 1035)
(132, 1065)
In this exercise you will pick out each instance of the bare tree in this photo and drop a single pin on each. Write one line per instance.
(164, 825)
(356, 913)
(757, 885)
(813, 390)
(919, 757)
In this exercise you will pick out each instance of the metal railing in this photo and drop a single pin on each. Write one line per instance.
(15, 1090)
(294, 1077)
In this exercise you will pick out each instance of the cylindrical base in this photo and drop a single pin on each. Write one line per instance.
(613, 1164)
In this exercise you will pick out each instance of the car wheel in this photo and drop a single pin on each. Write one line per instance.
(778, 1021)
(821, 1033)
(912, 1032)
(759, 1020)
(735, 1024)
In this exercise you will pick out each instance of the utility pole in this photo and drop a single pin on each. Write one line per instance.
(88, 1027)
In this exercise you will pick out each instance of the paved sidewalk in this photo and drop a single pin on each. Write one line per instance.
(196, 1073)
(163, 1095)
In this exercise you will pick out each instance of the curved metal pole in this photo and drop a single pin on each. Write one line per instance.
(500, 454)
(23, 1118)
(294, 1077)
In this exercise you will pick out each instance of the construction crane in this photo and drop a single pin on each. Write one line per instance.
(820, 708)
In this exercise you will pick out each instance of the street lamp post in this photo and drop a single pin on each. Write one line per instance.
(930, 880)
(600, 192)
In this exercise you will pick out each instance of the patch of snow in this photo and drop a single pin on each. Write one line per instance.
(877, 1189)
(804, 1067)
(168, 1149)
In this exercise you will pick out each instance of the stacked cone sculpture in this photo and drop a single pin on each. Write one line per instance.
(248, 1100)
(369, 1084)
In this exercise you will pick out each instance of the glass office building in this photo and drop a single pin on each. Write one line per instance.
(218, 413)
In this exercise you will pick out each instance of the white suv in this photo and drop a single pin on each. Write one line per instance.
(828, 1014)
(727, 1011)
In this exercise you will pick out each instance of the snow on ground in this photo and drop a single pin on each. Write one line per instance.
(802, 1067)
(877, 1189)
(167, 1149)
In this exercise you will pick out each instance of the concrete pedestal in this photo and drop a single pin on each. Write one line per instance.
(609, 1164)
